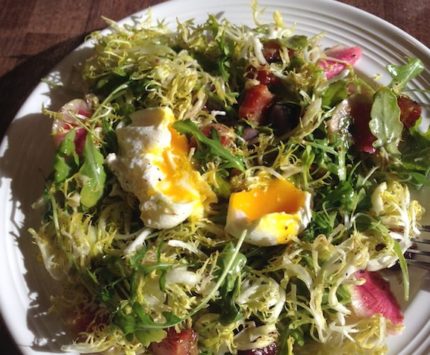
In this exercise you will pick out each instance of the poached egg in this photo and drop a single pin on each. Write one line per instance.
(270, 216)
(153, 164)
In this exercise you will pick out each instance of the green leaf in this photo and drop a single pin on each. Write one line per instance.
(66, 159)
(343, 294)
(92, 173)
(385, 122)
(223, 62)
(231, 263)
(137, 257)
(223, 189)
(214, 145)
(335, 93)
(126, 322)
(230, 311)
(171, 318)
(402, 74)
(412, 166)
(235, 269)
(110, 136)
(230, 289)
(148, 336)
(297, 42)
(404, 268)
(148, 268)
(144, 320)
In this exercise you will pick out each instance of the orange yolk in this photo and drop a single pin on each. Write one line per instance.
(279, 196)
(181, 181)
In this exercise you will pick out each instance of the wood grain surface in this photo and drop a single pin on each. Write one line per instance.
(36, 34)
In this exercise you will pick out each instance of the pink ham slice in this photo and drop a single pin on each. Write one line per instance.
(337, 60)
(375, 297)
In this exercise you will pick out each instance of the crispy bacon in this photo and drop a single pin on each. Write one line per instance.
(410, 111)
(266, 77)
(263, 75)
(272, 51)
(182, 343)
(256, 100)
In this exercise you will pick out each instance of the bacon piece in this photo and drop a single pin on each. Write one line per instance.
(251, 72)
(360, 112)
(333, 67)
(256, 100)
(182, 343)
(410, 111)
(268, 350)
(266, 77)
(263, 75)
(272, 51)
(375, 297)
(222, 130)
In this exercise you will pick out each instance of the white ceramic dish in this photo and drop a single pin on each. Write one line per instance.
(26, 157)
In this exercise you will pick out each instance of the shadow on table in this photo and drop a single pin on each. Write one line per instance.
(25, 165)
(18, 83)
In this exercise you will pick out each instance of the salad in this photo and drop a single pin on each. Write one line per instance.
(221, 189)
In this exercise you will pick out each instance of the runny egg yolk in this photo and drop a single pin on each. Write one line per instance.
(271, 215)
(181, 181)
(279, 196)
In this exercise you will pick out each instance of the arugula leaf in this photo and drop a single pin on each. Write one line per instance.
(139, 321)
(402, 74)
(92, 173)
(223, 62)
(66, 159)
(335, 93)
(214, 145)
(230, 289)
(413, 166)
(235, 268)
(385, 122)
(110, 136)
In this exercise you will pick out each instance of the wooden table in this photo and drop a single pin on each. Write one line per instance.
(36, 34)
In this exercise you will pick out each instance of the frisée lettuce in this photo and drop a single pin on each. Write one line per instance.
(256, 127)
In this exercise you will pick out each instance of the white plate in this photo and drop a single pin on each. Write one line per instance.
(26, 156)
